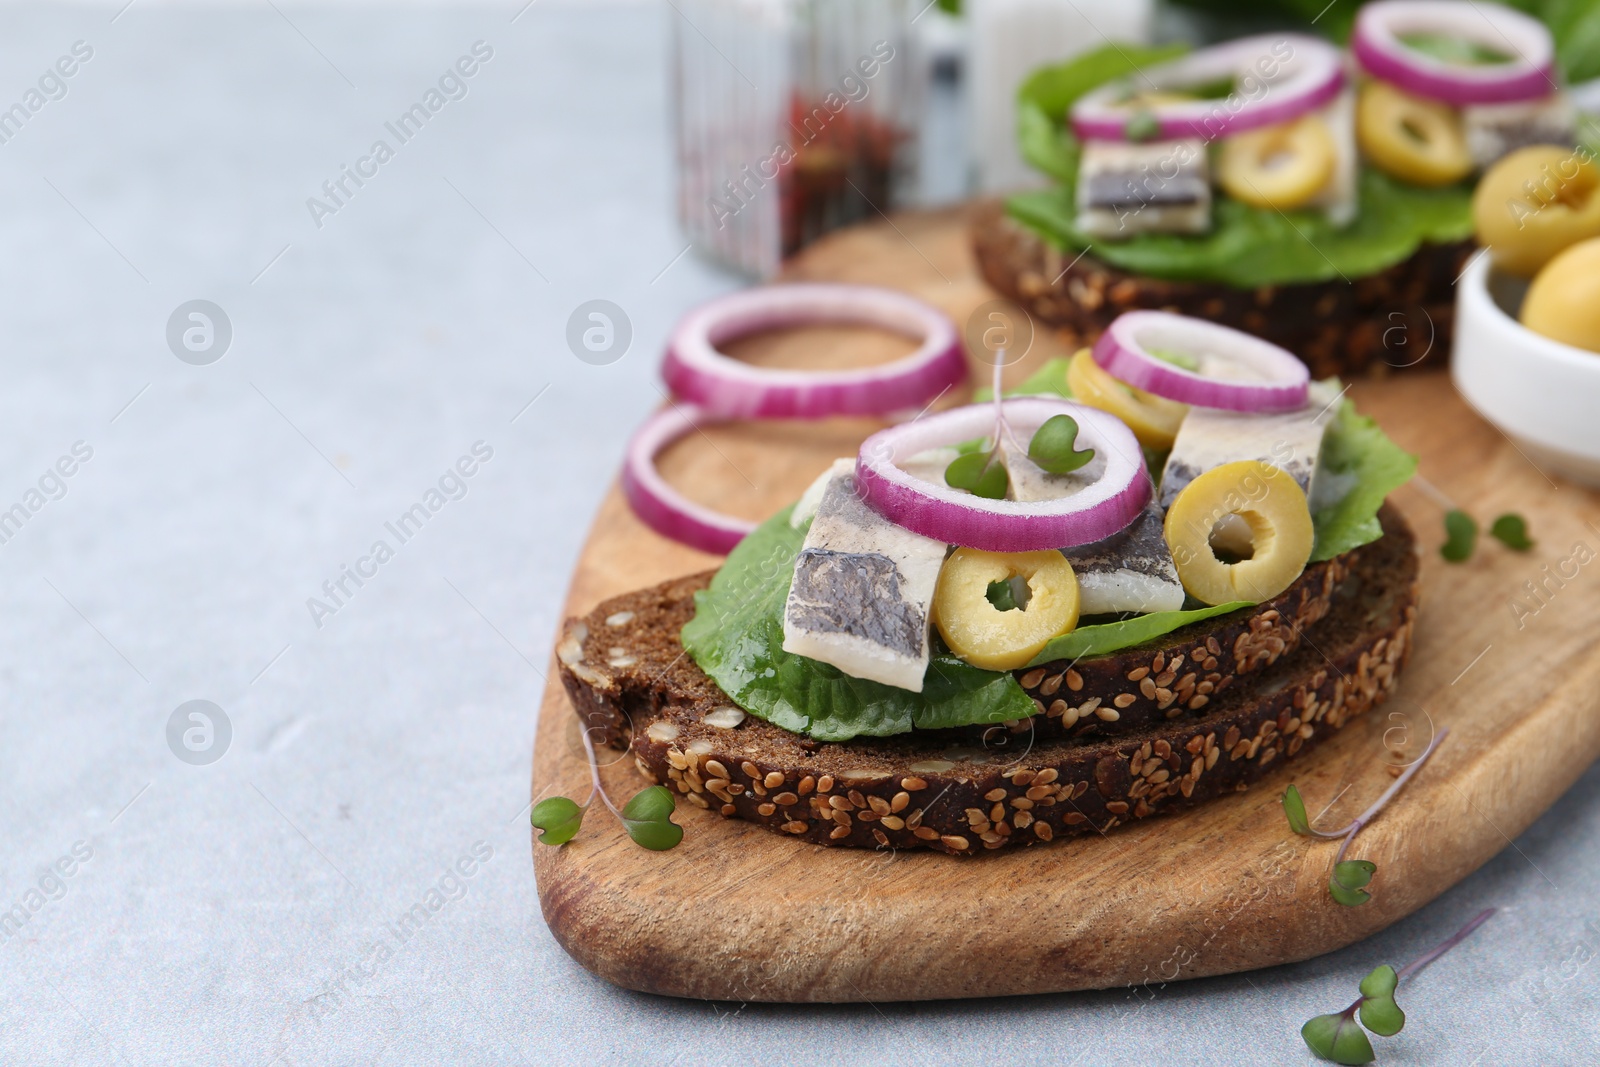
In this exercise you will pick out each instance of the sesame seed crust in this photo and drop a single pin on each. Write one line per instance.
(938, 790)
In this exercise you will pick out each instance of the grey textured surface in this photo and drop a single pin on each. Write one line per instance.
(240, 912)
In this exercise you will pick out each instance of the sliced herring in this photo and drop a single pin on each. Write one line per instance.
(1152, 187)
(1131, 571)
(1496, 130)
(862, 591)
(1339, 197)
(1291, 441)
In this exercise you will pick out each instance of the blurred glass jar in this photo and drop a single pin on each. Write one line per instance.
(791, 118)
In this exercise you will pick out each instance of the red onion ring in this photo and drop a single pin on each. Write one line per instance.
(661, 507)
(1279, 381)
(696, 371)
(959, 518)
(1305, 73)
(1375, 43)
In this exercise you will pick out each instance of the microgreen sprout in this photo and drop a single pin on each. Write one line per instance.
(1348, 883)
(983, 473)
(1461, 529)
(1339, 1038)
(1461, 536)
(1142, 125)
(1055, 446)
(647, 816)
(1511, 530)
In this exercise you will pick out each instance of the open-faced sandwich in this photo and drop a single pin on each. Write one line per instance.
(1148, 577)
(1316, 198)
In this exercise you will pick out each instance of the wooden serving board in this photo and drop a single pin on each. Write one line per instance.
(740, 913)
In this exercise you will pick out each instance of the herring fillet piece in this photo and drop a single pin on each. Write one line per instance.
(862, 591)
(1128, 571)
(1125, 188)
(1339, 196)
(1291, 441)
(1497, 130)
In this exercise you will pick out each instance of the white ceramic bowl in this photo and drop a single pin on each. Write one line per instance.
(1545, 395)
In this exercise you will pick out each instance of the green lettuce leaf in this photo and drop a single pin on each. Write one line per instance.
(1249, 247)
(1107, 637)
(1246, 246)
(1357, 453)
(736, 636)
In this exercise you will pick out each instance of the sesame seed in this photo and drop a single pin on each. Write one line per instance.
(825, 784)
(715, 769)
(1046, 776)
(926, 833)
(882, 838)
(773, 780)
(1117, 807)
(807, 784)
(1107, 715)
(893, 822)
(1124, 699)
(879, 805)
(995, 794)
(751, 771)
(898, 804)
(785, 799)
(954, 841)
(839, 803)
(1138, 674)
(729, 809)
(839, 831)
(913, 784)
(1042, 831)
(765, 809)
(795, 827)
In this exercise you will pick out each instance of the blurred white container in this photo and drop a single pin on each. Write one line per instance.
(1541, 393)
(1009, 40)
(791, 118)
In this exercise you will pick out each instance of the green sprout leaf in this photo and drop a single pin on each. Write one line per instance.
(1055, 446)
(979, 473)
(648, 819)
(1380, 983)
(1461, 536)
(1176, 358)
(1382, 1016)
(1379, 1012)
(1142, 125)
(1345, 887)
(1295, 808)
(1511, 530)
(1337, 1038)
(557, 819)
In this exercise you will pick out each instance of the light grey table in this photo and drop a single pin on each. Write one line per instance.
(245, 912)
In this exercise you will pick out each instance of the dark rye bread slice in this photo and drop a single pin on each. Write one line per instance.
(1398, 318)
(1168, 677)
(930, 790)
